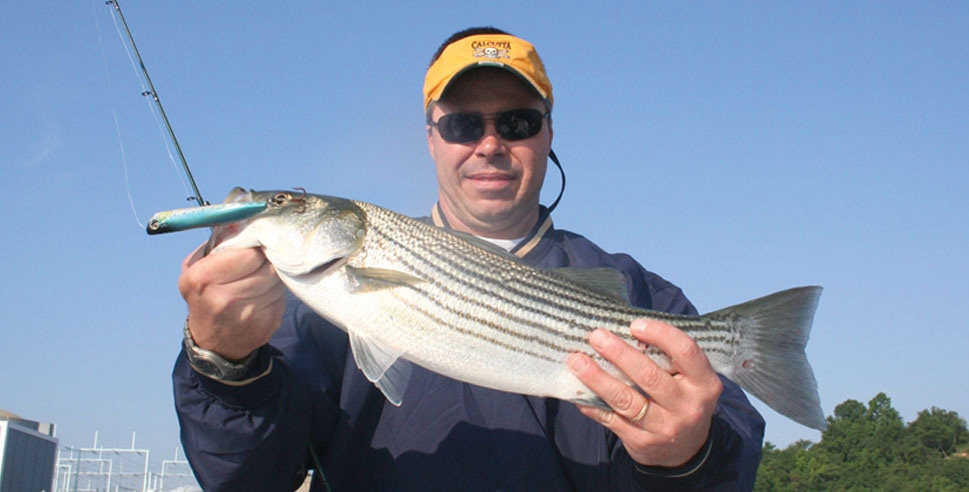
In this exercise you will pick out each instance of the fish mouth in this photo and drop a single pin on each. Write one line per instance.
(220, 234)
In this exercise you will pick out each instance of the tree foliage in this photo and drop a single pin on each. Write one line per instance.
(940, 430)
(870, 448)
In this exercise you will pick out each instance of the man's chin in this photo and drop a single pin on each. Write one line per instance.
(500, 216)
(494, 210)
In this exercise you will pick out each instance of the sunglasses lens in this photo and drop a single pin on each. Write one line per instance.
(516, 124)
(461, 127)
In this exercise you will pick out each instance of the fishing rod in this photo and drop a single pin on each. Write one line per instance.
(226, 211)
(154, 95)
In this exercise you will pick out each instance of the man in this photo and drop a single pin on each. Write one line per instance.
(266, 388)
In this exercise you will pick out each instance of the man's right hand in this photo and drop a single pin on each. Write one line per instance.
(235, 300)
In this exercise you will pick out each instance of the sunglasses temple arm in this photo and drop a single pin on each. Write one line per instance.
(555, 159)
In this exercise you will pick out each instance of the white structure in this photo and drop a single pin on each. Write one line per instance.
(101, 469)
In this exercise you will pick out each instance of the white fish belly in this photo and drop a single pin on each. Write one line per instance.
(444, 341)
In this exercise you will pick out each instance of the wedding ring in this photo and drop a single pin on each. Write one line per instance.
(642, 413)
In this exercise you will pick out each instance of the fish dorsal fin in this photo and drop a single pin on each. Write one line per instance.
(374, 279)
(382, 365)
(602, 280)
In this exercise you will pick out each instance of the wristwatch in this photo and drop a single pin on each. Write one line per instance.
(213, 365)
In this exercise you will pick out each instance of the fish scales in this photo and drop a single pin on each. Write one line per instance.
(549, 293)
(407, 292)
(480, 269)
(499, 288)
(484, 317)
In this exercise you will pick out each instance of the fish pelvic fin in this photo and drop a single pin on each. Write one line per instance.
(770, 362)
(382, 366)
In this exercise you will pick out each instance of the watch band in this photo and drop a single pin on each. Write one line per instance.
(213, 365)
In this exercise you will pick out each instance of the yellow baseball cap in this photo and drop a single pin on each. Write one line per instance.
(486, 50)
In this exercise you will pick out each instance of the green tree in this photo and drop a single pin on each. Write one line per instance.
(780, 470)
(869, 448)
(940, 430)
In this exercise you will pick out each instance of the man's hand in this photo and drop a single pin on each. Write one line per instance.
(235, 300)
(677, 420)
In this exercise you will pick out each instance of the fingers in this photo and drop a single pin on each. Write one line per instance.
(235, 300)
(621, 397)
(685, 355)
(194, 256)
(632, 413)
(644, 373)
(221, 268)
(692, 380)
(668, 424)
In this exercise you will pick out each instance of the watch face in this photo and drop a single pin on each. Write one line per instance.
(208, 368)
(212, 365)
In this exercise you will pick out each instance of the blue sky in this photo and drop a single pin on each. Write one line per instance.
(735, 149)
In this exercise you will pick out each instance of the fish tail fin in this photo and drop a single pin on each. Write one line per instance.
(770, 362)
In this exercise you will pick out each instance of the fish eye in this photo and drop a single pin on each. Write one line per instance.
(280, 199)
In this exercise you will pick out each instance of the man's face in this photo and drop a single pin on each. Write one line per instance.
(490, 187)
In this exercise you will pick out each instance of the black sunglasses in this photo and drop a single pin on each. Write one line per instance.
(514, 124)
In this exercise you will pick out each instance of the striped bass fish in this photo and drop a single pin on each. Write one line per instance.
(406, 291)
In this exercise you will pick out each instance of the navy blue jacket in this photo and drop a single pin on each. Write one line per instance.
(446, 435)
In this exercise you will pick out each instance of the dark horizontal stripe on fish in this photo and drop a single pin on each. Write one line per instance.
(440, 322)
(476, 270)
(713, 339)
(715, 344)
(474, 288)
(513, 320)
(694, 323)
(475, 282)
(601, 315)
(553, 285)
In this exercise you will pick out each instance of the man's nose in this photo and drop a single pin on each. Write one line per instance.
(490, 143)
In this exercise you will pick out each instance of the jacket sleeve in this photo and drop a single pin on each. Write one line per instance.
(731, 455)
(255, 436)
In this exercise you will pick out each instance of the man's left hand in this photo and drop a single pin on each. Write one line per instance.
(678, 413)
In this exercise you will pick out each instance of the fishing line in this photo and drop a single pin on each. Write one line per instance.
(117, 125)
(151, 108)
(124, 165)
(150, 91)
(154, 96)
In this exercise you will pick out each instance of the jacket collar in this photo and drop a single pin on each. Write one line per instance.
(542, 227)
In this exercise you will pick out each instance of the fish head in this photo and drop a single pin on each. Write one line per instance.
(299, 232)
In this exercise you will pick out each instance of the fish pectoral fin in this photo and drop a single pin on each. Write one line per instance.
(602, 280)
(382, 365)
(374, 279)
